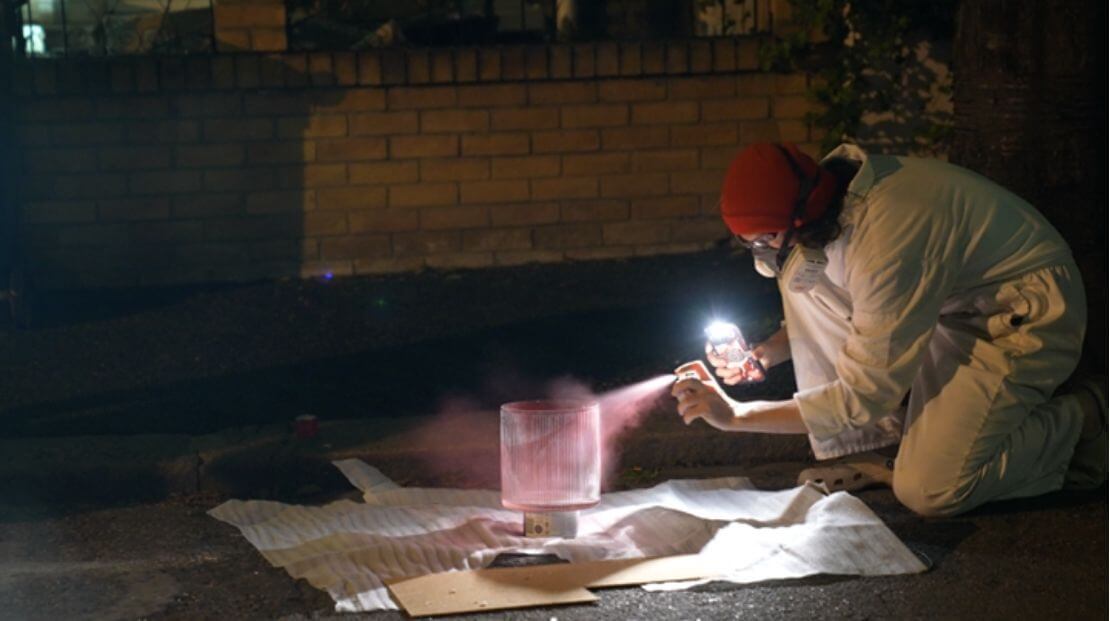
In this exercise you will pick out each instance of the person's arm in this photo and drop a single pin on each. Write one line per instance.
(769, 417)
(699, 396)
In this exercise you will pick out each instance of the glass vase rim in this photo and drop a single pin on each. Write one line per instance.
(550, 406)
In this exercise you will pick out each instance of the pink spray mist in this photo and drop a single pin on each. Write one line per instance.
(622, 409)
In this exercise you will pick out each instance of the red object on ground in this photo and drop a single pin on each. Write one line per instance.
(306, 426)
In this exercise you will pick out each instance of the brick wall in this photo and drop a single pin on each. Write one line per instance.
(230, 168)
(257, 25)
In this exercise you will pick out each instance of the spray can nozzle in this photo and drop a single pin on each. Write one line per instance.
(695, 370)
(686, 375)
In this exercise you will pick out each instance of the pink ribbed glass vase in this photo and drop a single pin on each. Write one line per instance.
(550, 455)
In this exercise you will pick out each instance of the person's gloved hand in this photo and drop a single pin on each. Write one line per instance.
(699, 396)
(771, 352)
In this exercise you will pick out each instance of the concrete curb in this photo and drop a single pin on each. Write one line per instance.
(271, 462)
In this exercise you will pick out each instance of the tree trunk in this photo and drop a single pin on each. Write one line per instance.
(1028, 103)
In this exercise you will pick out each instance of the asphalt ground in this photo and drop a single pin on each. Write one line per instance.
(108, 379)
(1037, 559)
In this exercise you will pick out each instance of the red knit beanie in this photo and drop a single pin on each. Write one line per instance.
(760, 189)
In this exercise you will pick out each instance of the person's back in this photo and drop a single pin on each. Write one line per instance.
(936, 211)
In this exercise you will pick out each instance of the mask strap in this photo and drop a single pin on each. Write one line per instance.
(806, 186)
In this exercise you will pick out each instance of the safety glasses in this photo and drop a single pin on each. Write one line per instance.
(806, 185)
(760, 243)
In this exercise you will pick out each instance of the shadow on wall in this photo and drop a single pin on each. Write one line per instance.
(186, 184)
(292, 141)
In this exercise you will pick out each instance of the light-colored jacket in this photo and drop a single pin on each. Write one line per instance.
(922, 238)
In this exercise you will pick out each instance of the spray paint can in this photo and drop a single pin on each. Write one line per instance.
(728, 342)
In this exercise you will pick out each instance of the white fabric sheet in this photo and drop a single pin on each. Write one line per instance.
(349, 548)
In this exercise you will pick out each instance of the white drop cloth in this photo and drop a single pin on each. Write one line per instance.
(349, 549)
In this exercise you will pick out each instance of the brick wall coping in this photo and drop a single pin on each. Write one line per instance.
(387, 67)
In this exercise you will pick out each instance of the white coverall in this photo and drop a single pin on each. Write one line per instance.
(948, 287)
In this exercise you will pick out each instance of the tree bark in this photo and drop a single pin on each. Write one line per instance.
(1028, 100)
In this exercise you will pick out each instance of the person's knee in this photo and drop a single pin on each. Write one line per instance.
(929, 498)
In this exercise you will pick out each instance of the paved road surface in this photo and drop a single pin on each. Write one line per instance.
(1036, 559)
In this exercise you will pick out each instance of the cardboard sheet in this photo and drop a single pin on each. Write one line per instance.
(537, 585)
(352, 549)
(484, 590)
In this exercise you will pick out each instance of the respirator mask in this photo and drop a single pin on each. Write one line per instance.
(798, 266)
